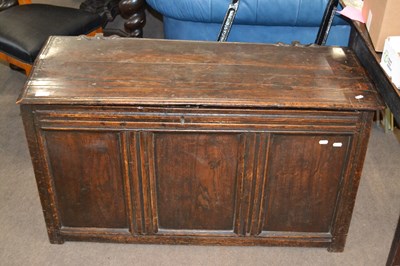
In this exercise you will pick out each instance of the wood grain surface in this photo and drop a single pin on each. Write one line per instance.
(139, 72)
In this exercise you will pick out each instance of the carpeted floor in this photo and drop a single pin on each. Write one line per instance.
(23, 237)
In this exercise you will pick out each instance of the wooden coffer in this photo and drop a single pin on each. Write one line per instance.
(155, 141)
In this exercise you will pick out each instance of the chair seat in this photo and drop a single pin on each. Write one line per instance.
(24, 29)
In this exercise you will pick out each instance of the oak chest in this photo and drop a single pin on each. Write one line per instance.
(155, 141)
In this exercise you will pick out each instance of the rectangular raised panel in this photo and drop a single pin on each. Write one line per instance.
(304, 175)
(88, 178)
(196, 180)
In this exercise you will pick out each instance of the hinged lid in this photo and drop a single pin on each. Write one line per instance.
(122, 71)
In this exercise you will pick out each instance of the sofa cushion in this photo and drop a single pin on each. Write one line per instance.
(188, 30)
(305, 13)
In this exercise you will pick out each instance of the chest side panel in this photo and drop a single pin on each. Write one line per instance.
(303, 178)
(86, 170)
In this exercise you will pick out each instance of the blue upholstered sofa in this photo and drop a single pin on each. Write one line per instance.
(262, 21)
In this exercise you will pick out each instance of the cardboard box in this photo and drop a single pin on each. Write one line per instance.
(382, 20)
(390, 61)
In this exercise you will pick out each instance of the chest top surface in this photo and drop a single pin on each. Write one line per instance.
(119, 71)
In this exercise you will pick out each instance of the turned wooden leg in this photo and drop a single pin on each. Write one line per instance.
(133, 12)
(394, 254)
(107, 9)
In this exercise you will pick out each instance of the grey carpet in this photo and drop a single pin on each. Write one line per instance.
(23, 237)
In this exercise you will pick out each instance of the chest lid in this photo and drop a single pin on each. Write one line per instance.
(139, 72)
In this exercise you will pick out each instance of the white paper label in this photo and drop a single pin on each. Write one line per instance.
(42, 93)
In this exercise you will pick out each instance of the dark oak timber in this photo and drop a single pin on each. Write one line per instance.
(156, 141)
(131, 11)
(361, 44)
(135, 18)
(394, 254)
(292, 191)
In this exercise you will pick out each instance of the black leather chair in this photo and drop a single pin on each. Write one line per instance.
(24, 29)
